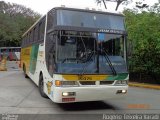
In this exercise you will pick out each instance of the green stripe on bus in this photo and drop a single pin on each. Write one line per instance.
(33, 58)
(120, 76)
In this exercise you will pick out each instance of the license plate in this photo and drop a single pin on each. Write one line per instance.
(84, 77)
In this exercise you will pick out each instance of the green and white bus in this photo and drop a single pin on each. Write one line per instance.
(77, 55)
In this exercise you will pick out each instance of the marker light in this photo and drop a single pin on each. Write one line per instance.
(58, 83)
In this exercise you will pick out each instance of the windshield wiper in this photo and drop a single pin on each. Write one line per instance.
(109, 62)
(107, 59)
(88, 59)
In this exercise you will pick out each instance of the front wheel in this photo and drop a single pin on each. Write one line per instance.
(41, 87)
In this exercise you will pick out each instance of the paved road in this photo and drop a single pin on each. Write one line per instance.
(19, 95)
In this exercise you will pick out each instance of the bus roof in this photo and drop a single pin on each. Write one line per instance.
(74, 9)
(88, 10)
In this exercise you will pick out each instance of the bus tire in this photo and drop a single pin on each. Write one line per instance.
(24, 70)
(41, 87)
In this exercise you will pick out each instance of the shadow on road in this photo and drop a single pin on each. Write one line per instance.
(95, 105)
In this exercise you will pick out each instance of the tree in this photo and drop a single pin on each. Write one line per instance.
(143, 32)
(14, 21)
(117, 1)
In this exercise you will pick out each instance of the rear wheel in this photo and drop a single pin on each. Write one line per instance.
(24, 70)
(41, 87)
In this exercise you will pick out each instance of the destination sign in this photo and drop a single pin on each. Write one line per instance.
(111, 31)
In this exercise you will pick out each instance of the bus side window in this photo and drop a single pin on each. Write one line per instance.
(24, 39)
(50, 53)
(36, 34)
(50, 20)
(22, 42)
(32, 36)
(27, 41)
(41, 29)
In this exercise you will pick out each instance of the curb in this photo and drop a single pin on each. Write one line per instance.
(144, 85)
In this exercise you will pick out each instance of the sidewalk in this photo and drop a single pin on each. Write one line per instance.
(144, 85)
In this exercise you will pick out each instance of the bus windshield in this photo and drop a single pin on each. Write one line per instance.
(90, 53)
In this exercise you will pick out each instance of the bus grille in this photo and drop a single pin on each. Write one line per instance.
(87, 82)
(106, 82)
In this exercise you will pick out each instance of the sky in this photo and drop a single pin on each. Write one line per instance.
(43, 6)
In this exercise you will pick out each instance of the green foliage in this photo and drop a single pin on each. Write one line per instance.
(144, 35)
(14, 21)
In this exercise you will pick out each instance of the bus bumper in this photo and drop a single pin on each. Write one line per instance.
(80, 94)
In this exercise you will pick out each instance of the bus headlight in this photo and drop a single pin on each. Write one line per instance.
(59, 83)
(124, 91)
(121, 82)
(65, 94)
(68, 93)
(121, 91)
